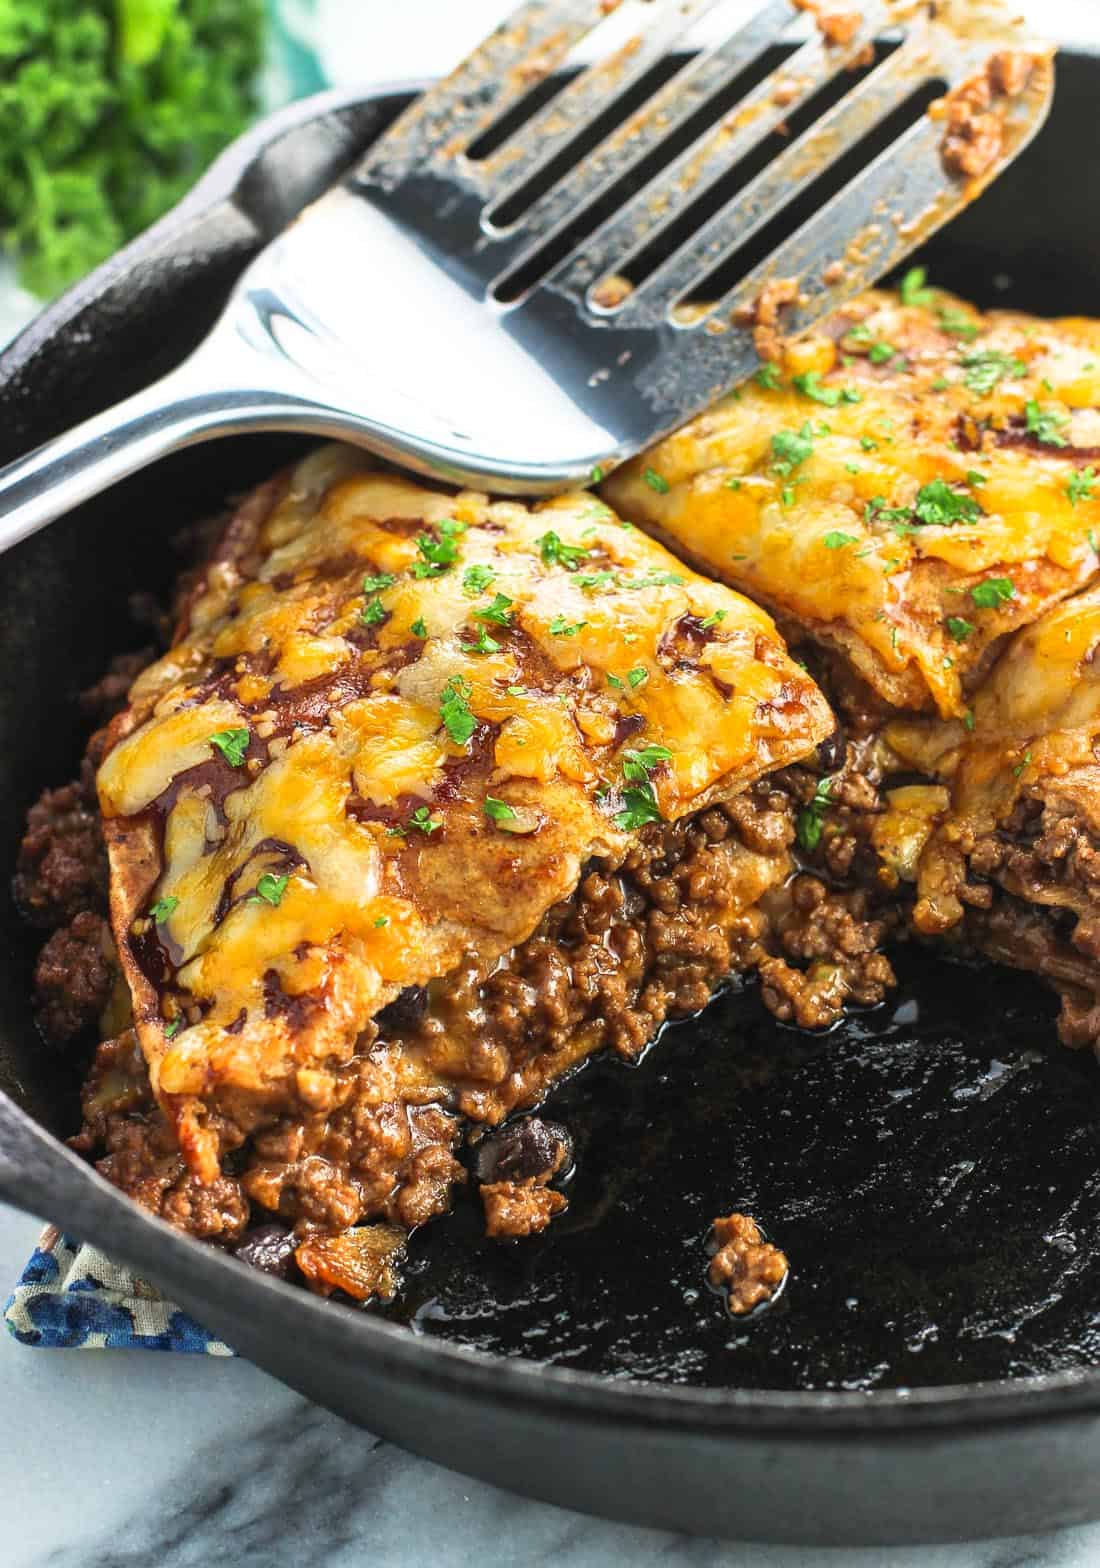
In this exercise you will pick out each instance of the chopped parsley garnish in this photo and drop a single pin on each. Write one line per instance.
(867, 444)
(499, 810)
(639, 807)
(1079, 485)
(733, 484)
(974, 478)
(959, 628)
(555, 552)
(913, 290)
(768, 375)
(810, 385)
(484, 643)
(714, 619)
(836, 540)
(940, 384)
(454, 710)
(377, 583)
(811, 819)
(516, 691)
(986, 368)
(1021, 765)
(595, 475)
(957, 324)
(270, 889)
(173, 1029)
(475, 579)
(436, 555)
(1045, 424)
(653, 580)
(382, 920)
(656, 481)
(968, 719)
(613, 680)
(994, 591)
(232, 744)
(163, 908)
(560, 627)
(595, 582)
(638, 765)
(418, 628)
(373, 612)
(791, 448)
(881, 353)
(937, 504)
(424, 822)
(498, 611)
(637, 676)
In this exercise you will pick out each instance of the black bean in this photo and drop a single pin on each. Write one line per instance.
(832, 751)
(527, 1148)
(269, 1248)
(405, 1011)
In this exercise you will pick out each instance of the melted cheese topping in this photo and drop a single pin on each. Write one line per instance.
(1003, 408)
(423, 704)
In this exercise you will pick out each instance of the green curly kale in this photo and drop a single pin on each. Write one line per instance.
(109, 112)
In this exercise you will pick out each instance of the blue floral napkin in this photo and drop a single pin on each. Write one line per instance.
(72, 1297)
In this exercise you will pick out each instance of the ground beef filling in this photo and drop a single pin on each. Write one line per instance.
(745, 1267)
(1029, 894)
(636, 944)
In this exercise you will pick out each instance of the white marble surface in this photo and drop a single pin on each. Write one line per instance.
(133, 1459)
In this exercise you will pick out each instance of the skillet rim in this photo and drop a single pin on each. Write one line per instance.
(456, 1370)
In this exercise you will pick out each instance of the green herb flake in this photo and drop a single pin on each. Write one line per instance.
(476, 578)
(767, 376)
(378, 583)
(881, 353)
(835, 540)
(974, 478)
(424, 822)
(968, 719)
(613, 680)
(498, 611)
(637, 676)
(994, 591)
(639, 807)
(913, 288)
(560, 627)
(454, 710)
(1079, 485)
(163, 907)
(810, 385)
(484, 643)
(173, 1029)
(957, 324)
(555, 552)
(656, 481)
(940, 384)
(937, 504)
(790, 449)
(984, 369)
(595, 475)
(373, 612)
(232, 744)
(270, 889)
(733, 484)
(498, 810)
(595, 582)
(381, 920)
(811, 819)
(959, 628)
(714, 619)
(418, 628)
(1021, 765)
(867, 444)
(1045, 424)
(638, 765)
(436, 555)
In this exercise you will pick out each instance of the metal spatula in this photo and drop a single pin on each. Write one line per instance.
(510, 299)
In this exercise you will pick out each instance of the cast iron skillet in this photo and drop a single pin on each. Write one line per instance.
(933, 1168)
